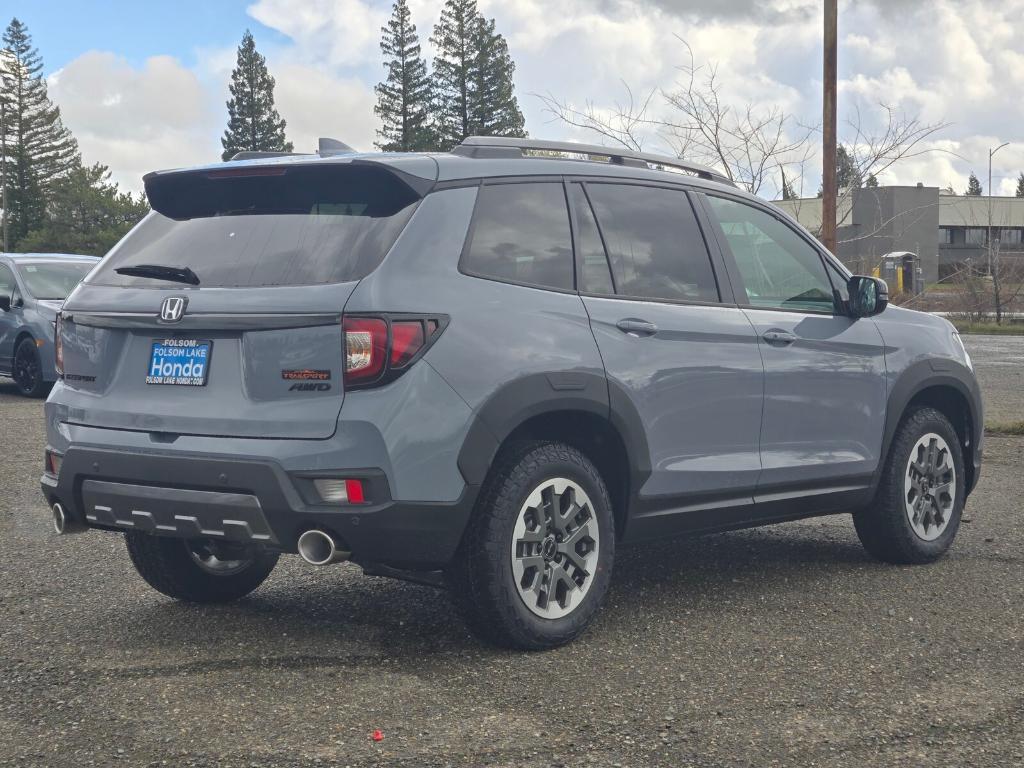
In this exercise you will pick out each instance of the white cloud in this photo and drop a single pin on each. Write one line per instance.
(948, 61)
(136, 120)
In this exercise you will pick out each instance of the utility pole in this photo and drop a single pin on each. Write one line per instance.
(991, 152)
(829, 189)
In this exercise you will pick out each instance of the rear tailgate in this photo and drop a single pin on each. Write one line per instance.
(269, 373)
(220, 313)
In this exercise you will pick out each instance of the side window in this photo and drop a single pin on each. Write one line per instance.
(521, 234)
(654, 243)
(595, 274)
(779, 269)
(7, 284)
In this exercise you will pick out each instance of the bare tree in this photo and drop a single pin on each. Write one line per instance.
(751, 144)
(754, 145)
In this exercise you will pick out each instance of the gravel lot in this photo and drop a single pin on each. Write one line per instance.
(779, 646)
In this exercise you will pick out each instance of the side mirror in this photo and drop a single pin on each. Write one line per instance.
(868, 295)
(5, 303)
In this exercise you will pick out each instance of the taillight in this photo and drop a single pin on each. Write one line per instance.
(366, 341)
(58, 345)
(379, 348)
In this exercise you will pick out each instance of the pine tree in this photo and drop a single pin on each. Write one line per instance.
(1020, 185)
(973, 187)
(37, 149)
(787, 188)
(403, 99)
(253, 121)
(872, 181)
(85, 213)
(474, 93)
(454, 37)
(847, 174)
(496, 111)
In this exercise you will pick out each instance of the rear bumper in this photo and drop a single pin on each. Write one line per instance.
(250, 500)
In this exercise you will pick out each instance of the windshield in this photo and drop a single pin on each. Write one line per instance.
(53, 281)
(258, 227)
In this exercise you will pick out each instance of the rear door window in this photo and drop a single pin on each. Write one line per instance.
(520, 234)
(654, 243)
(275, 226)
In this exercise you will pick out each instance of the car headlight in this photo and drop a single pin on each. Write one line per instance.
(960, 343)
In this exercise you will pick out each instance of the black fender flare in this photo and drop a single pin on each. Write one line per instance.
(925, 374)
(536, 394)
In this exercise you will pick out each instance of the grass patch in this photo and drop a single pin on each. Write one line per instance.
(1006, 329)
(1005, 428)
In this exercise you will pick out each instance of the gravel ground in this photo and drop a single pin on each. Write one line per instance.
(999, 361)
(778, 646)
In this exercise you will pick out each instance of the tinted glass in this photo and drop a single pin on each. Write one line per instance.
(53, 281)
(839, 282)
(654, 243)
(521, 234)
(314, 225)
(595, 275)
(779, 268)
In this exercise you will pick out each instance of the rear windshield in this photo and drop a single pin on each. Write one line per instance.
(243, 227)
(53, 281)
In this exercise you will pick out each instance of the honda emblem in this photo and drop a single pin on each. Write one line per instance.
(173, 309)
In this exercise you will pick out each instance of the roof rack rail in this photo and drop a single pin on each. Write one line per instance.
(616, 155)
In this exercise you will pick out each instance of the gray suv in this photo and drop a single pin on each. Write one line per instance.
(486, 370)
(32, 288)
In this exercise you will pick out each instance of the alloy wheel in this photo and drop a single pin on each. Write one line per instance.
(555, 546)
(26, 368)
(930, 487)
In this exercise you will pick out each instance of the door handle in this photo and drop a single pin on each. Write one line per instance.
(778, 338)
(635, 327)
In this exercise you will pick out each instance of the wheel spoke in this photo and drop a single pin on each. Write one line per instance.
(555, 545)
(930, 486)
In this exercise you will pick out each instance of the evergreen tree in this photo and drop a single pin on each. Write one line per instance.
(36, 150)
(1020, 185)
(496, 111)
(403, 99)
(253, 121)
(454, 37)
(85, 214)
(787, 188)
(474, 93)
(847, 175)
(872, 181)
(973, 187)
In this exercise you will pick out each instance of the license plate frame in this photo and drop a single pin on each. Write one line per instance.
(176, 358)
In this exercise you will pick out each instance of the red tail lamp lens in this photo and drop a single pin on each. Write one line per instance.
(406, 340)
(355, 491)
(58, 345)
(366, 341)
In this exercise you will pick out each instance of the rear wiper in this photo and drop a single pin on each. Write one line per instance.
(160, 272)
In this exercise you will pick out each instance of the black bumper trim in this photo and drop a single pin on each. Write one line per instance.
(237, 497)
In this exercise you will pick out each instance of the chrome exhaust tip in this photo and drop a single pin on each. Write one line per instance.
(62, 523)
(60, 520)
(318, 547)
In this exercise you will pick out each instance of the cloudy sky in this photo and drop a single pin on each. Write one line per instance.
(143, 85)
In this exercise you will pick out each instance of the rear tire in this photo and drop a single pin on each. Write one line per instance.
(188, 570)
(916, 513)
(536, 560)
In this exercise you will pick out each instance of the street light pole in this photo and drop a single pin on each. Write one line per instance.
(991, 152)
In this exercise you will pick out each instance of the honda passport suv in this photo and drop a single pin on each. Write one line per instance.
(488, 369)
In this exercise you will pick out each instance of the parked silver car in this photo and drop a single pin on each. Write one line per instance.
(32, 288)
